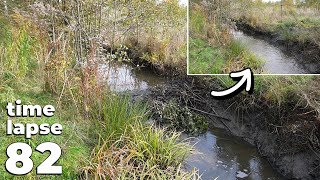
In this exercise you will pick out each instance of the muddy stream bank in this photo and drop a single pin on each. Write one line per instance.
(276, 62)
(218, 154)
(281, 56)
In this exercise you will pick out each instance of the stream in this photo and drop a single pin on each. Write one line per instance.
(276, 62)
(217, 153)
(121, 77)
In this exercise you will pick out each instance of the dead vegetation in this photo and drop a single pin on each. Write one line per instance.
(186, 106)
(145, 153)
(281, 118)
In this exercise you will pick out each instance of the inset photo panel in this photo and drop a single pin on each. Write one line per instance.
(278, 37)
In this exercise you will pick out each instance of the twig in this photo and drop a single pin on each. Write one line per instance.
(215, 115)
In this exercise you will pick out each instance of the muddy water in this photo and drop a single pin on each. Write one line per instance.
(276, 62)
(124, 77)
(217, 154)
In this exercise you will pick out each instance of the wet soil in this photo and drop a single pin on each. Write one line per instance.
(218, 152)
(276, 139)
(280, 134)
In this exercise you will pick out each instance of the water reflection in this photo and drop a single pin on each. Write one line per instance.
(219, 155)
(124, 77)
(255, 168)
(276, 62)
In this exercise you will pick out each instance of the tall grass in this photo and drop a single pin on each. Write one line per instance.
(198, 22)
(157, 147)
(208, 59)
(125, 147)
(144, 153)
(41, 68)
(20, 47)
(22, 54)
(212, 50)
(113, 113)
(293, 23)
(238, 57)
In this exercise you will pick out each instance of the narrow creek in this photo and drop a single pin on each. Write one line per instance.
(122, 77)
(276, 62)
(217, 153)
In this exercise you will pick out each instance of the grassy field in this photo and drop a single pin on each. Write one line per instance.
(293, 22)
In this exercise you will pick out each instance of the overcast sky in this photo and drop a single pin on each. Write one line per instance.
(184, 2)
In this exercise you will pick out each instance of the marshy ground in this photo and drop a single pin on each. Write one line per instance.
(118, 83)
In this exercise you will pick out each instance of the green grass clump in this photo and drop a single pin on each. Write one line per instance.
(124, 147)
(143, 152)
(238, 58)
(204, 58)
(127, 148)
(157, 147)
(112, 115)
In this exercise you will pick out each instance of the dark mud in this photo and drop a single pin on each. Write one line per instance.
(307, 54)
(281, 134)
(288, 136)
(184, 103)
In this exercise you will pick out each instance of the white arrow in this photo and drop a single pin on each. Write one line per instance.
(246, 75)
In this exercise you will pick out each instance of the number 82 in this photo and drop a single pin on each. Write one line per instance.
(45, 168)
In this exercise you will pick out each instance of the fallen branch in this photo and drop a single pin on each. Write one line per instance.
(210, 114)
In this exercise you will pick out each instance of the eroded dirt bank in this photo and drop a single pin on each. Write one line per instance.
(287, 136)
(306, 53)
